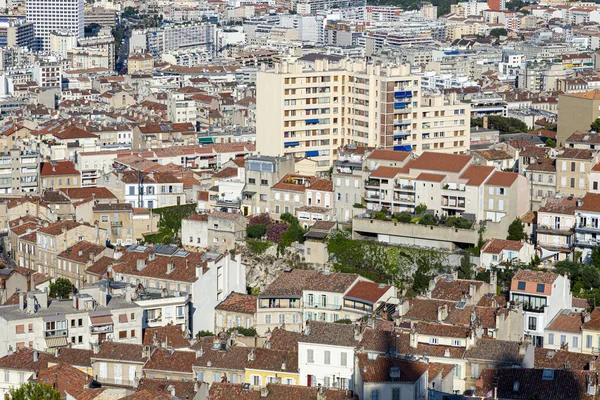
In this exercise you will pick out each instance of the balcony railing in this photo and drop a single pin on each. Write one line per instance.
(323, 307)
(101, 329)
(587, 243)
(116, 223)
(371, 182)
(112, 381)
(229, 203)
(555, 229)
(55, 334)
(587, 228)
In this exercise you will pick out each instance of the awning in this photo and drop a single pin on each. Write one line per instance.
(403, 148)
(316, 235)
(548, 253)
(312, 153)
(312, 121)
(205, 140)
(101, 320)
(56, 342)
(291, 144)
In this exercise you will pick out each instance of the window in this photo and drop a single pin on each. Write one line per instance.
(456, 342)
(588, 341)
(20, 329)
(344, 359)
(282, 319)
(575, 342)
(6, 376)
(563, 339)
(532, 323)
(541, 287)
(267, 318)
(30, 328)
(310, 356)
(252, 181)
(433, 340)
(200, 376)
(551, 338)
(256, 380)
(122, 334)
(396, 394)
(375, 394)
(216, 377)
(327, 357)
(264, 182)
(521, 285)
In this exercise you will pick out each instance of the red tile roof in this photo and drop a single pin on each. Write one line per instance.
(500, 178)
(495, 246)
(368, 291)
(388, 155)
(65, 379)
(430, 161)
(54, 168)
(238, 302)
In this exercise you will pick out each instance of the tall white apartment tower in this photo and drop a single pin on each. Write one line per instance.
(55, 16)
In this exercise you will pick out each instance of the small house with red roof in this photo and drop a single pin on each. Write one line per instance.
(500, 252)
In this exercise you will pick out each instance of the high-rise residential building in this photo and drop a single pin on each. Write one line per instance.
(15, 31)
(317, 104)
(50, 16)
(174, 37)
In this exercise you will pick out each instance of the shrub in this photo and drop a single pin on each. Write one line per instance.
(204, 334)
(380, 215)
(403, 217)
(428, 219)
(343, 321)
(258, 247)
(256, 231)
(420, 209)
(249, 332)
(459, 222)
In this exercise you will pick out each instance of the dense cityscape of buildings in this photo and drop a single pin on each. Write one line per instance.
(313, 199)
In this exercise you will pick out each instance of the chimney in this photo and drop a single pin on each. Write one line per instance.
(170, 267)
(171, 390)
(413, 339)
(493, 281)
(22, 300)
(30, 303)
(592, 364)
(471, 290)
(198, 270)
(56, 352)
(264, 392)
(442, 312)
(35, 356)
(141, 264)
(80, 253)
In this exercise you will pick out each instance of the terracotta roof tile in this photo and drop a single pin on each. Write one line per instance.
(378, 370)
(171, 361)
(495, 350)
(56, 168)
(294, 281)
(171, 335)
(535, 276)
(388, 155)
(23, 360)
(430, 161)
(590, 202)
(183, 389)
(282, 339)
(121, 352)
(65, 379)
(238, 302)
(368, 291)
(477, 174)
(500, 178)
(495, 246)
(81, 252)
(274, 360)
(332, 334)
(454, 290)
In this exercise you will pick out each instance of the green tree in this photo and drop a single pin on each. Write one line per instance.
(550, 143)
(61, 288)
(256, 231)
(33, 391)
(420, 209)
(595, 126)
(428, 219)
(595, 257)
(465, 271)
(516, 230)
(497, 32)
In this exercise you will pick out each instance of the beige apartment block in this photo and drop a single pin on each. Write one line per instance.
(573, 168)
(576, 113)
(311, 107)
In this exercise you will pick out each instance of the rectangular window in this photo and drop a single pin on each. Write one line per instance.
(344, 359)
(521, 285)
(327, 357)
(310, 356)
(267, 318)
(575, 342)
(563, 339)
(396, 394)
(588, 341)
(122, 334)
(541, 287)
(20, 329)
(551, 338)
(375, 394)
(216, 377)
(532, 323)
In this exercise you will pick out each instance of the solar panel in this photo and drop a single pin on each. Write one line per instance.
(461, 305)
(165, 249)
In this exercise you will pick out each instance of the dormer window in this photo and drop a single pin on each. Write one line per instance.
(521, 286)
(541, 288)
